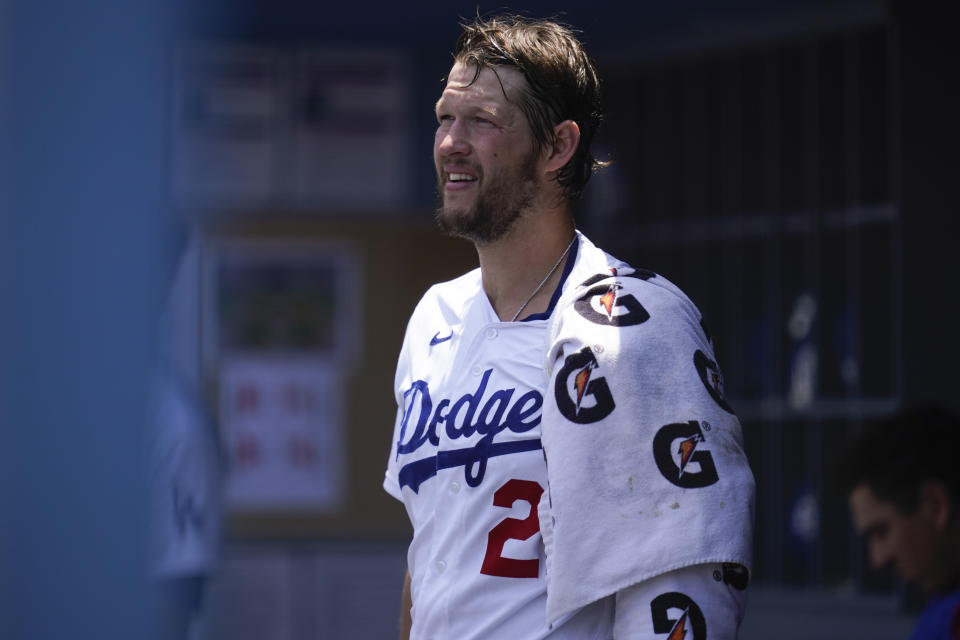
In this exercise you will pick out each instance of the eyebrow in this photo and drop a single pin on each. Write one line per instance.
(489, 109)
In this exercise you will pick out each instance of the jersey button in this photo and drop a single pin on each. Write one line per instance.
(441, 566)
(454, 487)
(491, 333)
(476, 370)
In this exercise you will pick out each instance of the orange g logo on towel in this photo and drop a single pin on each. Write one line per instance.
(689, 617)
(678, 449)
(582, 393)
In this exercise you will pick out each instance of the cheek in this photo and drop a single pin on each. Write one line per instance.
(917, 549)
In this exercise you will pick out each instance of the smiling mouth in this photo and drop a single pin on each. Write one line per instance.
(460, 178)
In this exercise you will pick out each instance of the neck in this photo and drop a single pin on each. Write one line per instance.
(514, 266)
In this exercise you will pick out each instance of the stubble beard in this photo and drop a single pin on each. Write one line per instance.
(496, 209)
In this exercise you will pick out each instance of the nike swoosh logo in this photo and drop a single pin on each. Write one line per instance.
(436, 339)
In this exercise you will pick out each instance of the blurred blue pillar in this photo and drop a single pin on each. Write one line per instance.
(84, 99)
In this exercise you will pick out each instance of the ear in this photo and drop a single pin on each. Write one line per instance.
(936, 504)
(567, 135)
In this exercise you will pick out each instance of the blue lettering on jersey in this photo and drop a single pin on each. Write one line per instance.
(463, 418)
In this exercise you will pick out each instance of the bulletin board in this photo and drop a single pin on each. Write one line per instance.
(283, 325)
(303, 319)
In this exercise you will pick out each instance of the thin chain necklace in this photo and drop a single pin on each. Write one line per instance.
(544, 281)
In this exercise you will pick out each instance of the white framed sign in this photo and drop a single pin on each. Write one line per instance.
(283, 423)
(282, 297)
(282, 322)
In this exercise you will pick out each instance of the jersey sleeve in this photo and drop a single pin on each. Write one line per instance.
(645, 461)
(391, 484)
(391, 481)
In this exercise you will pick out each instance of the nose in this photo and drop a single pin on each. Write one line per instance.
(880, 555)
(451, 139)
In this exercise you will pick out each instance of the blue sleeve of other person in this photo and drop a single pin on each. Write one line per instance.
(935, 621)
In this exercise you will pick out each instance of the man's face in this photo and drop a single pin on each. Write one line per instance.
(484, 154)
(909, 542)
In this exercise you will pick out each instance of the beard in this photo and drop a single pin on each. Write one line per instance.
(500, 202)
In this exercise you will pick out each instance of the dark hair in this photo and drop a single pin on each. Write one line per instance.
(561, 79)
(895, 456)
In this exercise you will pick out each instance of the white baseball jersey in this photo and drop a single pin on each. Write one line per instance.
(468, 462)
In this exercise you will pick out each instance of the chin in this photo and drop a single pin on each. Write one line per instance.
(454, 216)
(453, 221)
(929, 585)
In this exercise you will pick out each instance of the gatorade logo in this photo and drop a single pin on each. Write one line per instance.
(582, 393)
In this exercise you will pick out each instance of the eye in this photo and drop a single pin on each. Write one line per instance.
(444, 117)
(483, 122)
(878, 532)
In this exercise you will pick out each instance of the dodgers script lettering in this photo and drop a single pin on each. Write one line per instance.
(472, 413)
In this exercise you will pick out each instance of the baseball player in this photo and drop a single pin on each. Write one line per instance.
(562, 444)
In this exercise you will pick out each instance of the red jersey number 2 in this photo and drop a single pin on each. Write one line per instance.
(494, 564)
